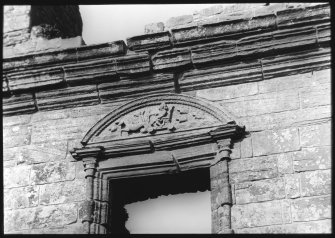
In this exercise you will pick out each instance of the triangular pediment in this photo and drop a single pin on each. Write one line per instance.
(156, 115)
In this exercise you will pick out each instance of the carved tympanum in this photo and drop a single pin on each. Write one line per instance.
(152, 119)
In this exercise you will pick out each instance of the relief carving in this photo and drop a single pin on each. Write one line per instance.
(153, 119)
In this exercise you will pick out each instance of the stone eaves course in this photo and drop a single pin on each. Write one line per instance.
(270, 44)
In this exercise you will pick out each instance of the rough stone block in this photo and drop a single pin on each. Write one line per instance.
(16, 120)
(154, 41)
(67, 97)
(180, 20)
(315, 135)
(286, 211)
(52, 172)
(312, 159)
(63, 192)
(23, 197)
(101, 50)
(256, 214)
(275, 121)
(246, 148)
(271, 142)
(133, 64)
(18, 135)
(263, 103)
(285, 165)
(90, 72)
(17, 176)
(210, 11)
(322, 226)
(171, 59)
(316, 96)
(32, 79)
(154, 28)
(309, 209)
(228, 92)
(315, 183)
(250, 169)
(228, 74)
(292, 185)
(258, 191)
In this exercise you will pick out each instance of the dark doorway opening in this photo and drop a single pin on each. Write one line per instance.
(127, 191)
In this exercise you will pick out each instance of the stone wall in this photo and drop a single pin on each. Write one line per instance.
(29, 29)
(280, 172)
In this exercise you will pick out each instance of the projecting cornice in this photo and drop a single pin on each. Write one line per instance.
(208, 55)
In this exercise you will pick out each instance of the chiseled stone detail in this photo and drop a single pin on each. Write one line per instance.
(315, 135)
(258, 191)
(256, 214)
(292, 185)
(63, 192)
(52, 172)
(275, 141)
(312, 208)
(315, 183)
(312, 159)
(17, 176)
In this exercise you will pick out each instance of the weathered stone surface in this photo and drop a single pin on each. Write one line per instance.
(62, 129)
(250, 169)
(292, 185)
(299, 16)
(23, 197)
(286, 211)
(256, 214)
(263, 103)
(180, 20)
(285, 163)
(90, 72)
(295, 63)
(322, 226)
(312, 159)
(316, 96)
(258, 191)
(286, 119)
(67, 97)
(16, 176)
(133, 64)
(213, 52)
(154, 28)
(271, 142)
(315, 183)
(31, 79)
(246, 148)
(154, 41)
(210, 11)
(16, 136)
(18, 104)
(228, 92)
(101, 50)
(315, 135)
(227, 74)
(52, 172)
(129, 88)
(323, 34)
(309, 209)
(16, 120)
(236, 151)
(171, 59)
(63, 192)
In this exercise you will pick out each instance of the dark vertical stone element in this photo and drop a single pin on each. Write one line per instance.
(18, 104)
(67, 97)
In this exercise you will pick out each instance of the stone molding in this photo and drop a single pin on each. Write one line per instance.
(166, 153)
